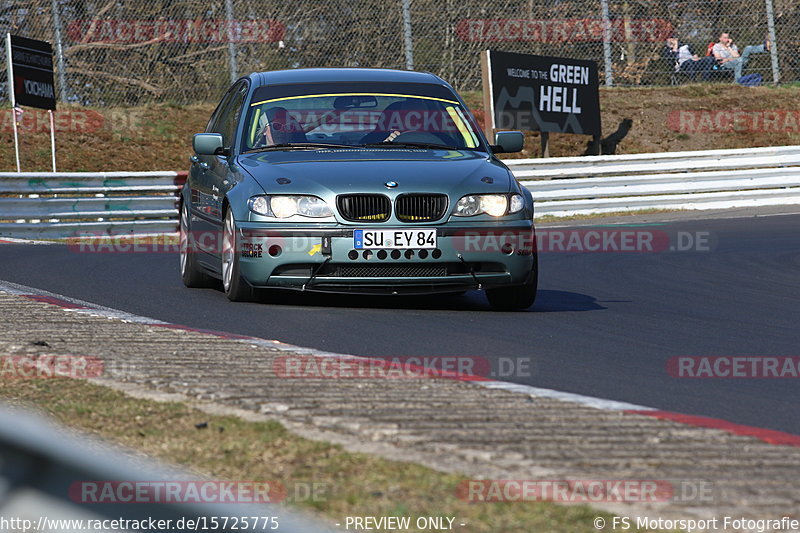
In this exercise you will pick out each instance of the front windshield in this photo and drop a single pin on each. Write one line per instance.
(357, 119)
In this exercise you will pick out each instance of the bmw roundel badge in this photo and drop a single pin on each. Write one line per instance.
(390, 184)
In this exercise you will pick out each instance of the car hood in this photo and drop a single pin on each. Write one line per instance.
(335, 171)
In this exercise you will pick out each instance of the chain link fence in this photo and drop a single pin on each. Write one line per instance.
(129, 53)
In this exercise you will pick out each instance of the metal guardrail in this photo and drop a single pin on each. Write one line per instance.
(710, 179)
(66, 204)
(41, 464)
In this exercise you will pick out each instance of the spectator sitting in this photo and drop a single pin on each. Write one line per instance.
(727, 54)
(688, 62)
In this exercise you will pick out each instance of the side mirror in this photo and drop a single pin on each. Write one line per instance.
(508, 142)
(207, 143)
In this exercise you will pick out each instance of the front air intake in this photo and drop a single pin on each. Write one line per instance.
(364, 207)
(420, 207)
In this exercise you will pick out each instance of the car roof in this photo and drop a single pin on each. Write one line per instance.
(312, 75)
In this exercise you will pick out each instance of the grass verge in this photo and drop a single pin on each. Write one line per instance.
(230, 448)
(159, 136)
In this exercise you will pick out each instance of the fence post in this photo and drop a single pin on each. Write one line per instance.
(773, 52)
(234, 69)
(62, 74)
(407, 36)
(607, 43)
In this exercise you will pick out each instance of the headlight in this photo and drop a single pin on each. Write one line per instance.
(283, 206)
(260, 205)
(287, 206)
(495, 205)
(468, 206)
(311, 206)
(516, 204)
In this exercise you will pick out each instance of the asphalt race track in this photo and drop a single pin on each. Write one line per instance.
(604, 324)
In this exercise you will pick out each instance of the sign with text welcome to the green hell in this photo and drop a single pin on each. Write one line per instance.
(32, 67)
(548, 94)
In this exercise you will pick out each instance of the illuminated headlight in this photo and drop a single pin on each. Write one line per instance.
(283, 206)
(288, 206)
(495, 205)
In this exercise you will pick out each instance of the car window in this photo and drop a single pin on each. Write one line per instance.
(232, 116)
(228, 114)
(357, 119)
(212, 122)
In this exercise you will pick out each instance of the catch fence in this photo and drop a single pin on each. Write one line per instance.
(180, 51)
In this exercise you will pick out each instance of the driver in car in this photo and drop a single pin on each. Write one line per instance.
(280, 127)
(407, 117)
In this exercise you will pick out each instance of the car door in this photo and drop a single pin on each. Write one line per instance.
(221, 171)
(209, 173)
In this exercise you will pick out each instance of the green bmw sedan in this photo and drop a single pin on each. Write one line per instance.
(369, 181)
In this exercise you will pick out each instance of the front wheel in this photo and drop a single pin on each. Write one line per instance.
(236, 289)
(517, 297)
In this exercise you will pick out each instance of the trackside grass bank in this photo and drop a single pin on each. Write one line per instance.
(317, 476)
(158, 137)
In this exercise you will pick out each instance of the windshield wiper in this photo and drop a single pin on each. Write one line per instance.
(296, 146)
(412, 145)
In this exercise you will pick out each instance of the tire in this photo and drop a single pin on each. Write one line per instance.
(191, 274)
(517, 297)
(236, 289)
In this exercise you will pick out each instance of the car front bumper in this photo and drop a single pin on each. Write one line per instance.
(324, 259)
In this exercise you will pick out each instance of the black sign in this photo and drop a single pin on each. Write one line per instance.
(32, 63)
(540, 93)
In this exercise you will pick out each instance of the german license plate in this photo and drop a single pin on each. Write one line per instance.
(391, 239)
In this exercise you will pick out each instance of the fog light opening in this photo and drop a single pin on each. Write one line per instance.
(507, 249)
(275, 250)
